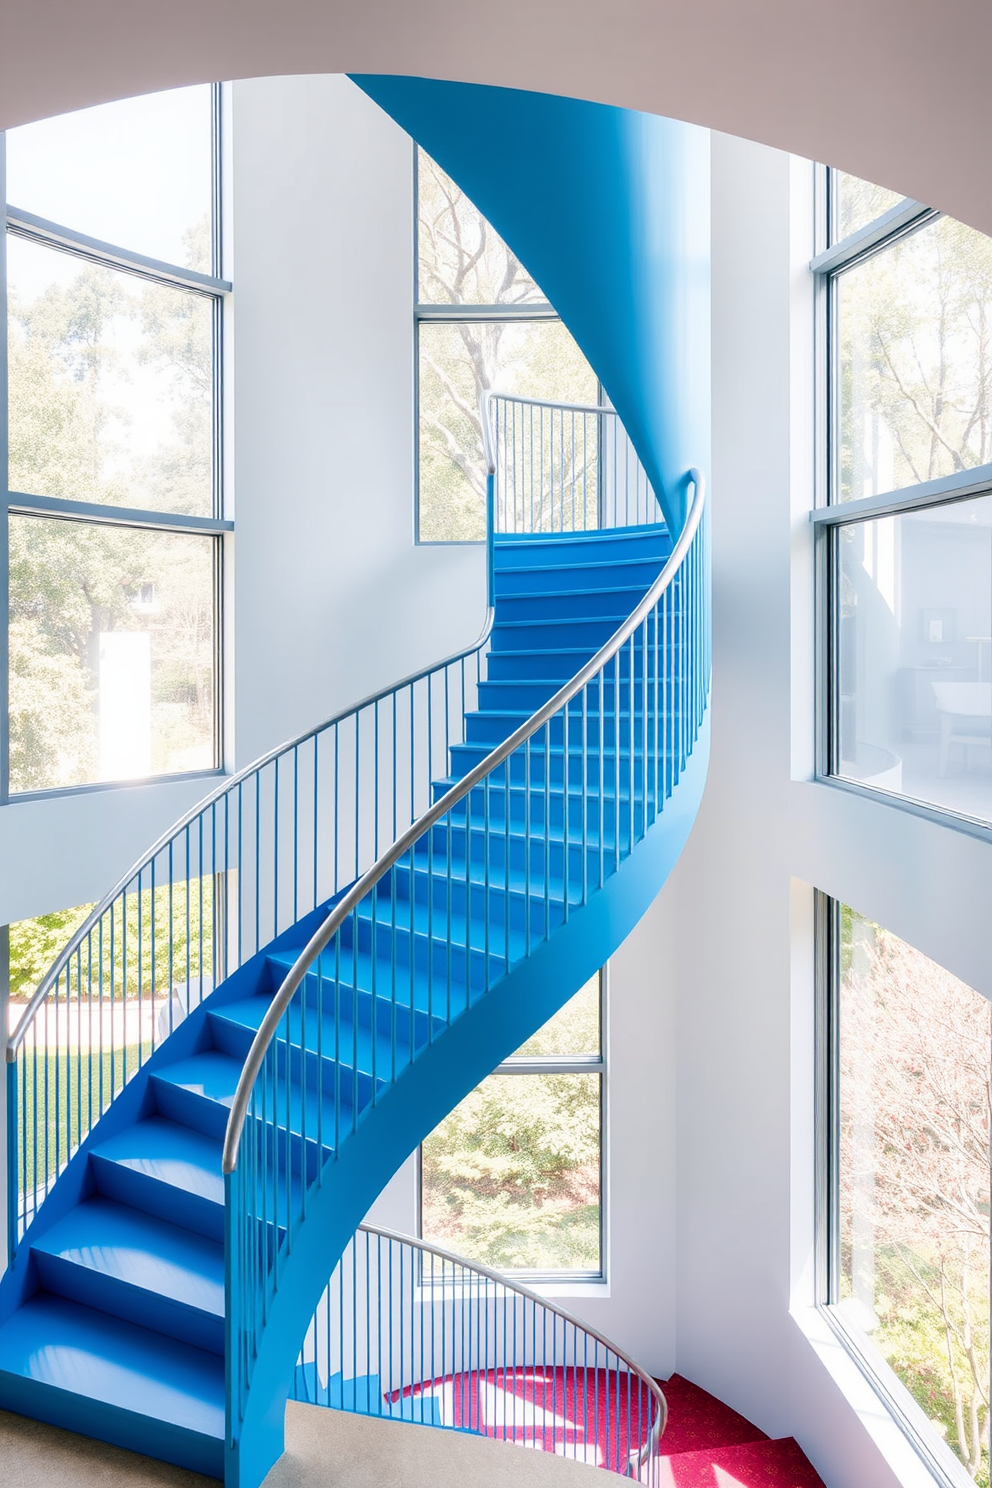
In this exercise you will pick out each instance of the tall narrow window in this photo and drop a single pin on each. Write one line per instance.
(907, 1076)
(906, 535)
(114, 507)
(514, 1176)
(482, 323)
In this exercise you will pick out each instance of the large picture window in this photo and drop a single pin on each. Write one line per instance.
(115, 494)
(482, 323)
(906, 1073)
(906, 532)
(513, 1177)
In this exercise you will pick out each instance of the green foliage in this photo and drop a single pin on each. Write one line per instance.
(63, 1095)
(76, 401)
(143, 948)
(511, 1177)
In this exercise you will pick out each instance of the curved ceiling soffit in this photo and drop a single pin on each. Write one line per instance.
(894, 91)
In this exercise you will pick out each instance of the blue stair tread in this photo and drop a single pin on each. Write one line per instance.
(170, 1153)
(355, 1047)
(214, 1077)
(584, 535)
(413, 992)
(143, 1252)
(52, 1341)
(575, 564)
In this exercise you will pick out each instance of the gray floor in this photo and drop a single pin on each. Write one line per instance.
(324, 1449)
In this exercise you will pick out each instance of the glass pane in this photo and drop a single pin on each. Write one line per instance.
(915, 342)
(914, 655)
(538, 359)
(857, 202)
(462, 260)
(135, 173)
(111, 653)
(111, 392)
(511, 1178)
(573, 1030)
(915, 1073)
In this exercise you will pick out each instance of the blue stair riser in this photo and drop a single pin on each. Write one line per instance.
(490, 901)
(546, 763)
(538, 855)
(524, 696)
(584, 605)
(154, 1195)
(523, 635)
(518, 552)
(416, 952)
(582, 578)
(351, 1005)
(548, 813)
(493, 728)
(143, 1305)
(342, 1064)
(539, 661)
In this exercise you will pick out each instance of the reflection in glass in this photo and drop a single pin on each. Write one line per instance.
(111, 670)
(110, 385)
(914, 360)
(461, 259)
(511, 1178)
(913, 660)
(856, 203)
(915, 1074)
(135, 173)
(538, 359)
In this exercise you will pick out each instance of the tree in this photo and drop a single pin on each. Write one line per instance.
(916, 1088)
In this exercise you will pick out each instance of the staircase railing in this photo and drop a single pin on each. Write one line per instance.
(562, 467)
(491, 848)
(277, 841)
(407, 1331)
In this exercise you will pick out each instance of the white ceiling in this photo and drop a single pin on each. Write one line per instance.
(893, 90)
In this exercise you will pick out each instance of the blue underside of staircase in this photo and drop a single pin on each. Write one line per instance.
(112, 1314)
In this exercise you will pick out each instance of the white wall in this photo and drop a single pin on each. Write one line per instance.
(333, 600)
(737, 907)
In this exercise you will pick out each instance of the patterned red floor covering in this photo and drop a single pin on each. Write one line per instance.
(598, 1417)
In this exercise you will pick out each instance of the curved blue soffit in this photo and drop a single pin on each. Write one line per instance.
(608, 210)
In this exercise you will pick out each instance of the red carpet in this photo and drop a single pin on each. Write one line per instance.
(705, 1445)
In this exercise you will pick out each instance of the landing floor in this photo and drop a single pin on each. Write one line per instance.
(324, 1449)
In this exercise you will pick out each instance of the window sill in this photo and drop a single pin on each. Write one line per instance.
(942, 816)
(889, 1414)
(61, 792)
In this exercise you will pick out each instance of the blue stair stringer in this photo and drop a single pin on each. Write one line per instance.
(112, 1316)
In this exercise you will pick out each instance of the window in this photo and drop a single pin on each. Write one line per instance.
(906, 1069)
(114, 508)
(906, 534)
(481, 323)
(513, 1177)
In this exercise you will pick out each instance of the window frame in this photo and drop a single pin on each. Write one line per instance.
(830, 514)
(426, 313)
(61, 238)
(560, 1064)
(895, 1398)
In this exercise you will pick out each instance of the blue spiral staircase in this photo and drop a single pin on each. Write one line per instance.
(256, 1027)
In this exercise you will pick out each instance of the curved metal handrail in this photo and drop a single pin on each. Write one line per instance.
(350, 901)
(48, 981)
(490, 394)
(648, 1449)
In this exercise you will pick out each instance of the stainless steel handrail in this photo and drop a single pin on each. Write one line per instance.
(19, 1033)
(403, 843)
(489, 394)
(498, 1277)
